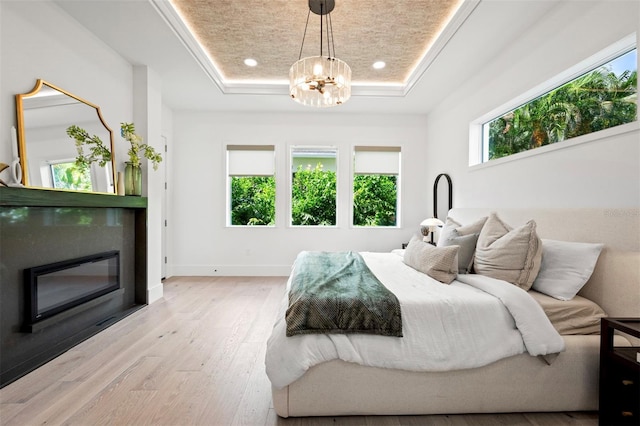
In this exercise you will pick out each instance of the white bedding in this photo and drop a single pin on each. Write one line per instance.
(445, 327)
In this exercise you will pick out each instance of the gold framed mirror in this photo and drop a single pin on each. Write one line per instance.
(47, 153)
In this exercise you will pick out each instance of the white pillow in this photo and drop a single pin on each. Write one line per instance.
(565, 268)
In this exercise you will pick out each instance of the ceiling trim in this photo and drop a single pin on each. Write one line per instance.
(169, 14)
(451, 28)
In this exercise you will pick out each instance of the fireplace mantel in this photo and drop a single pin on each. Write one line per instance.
(39, 226)
(30, 197)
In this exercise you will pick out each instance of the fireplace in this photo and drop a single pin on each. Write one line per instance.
(35, 227)
(56, 287)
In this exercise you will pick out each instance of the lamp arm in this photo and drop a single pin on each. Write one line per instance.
(435, 193)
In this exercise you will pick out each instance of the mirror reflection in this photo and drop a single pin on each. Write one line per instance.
(47, 153)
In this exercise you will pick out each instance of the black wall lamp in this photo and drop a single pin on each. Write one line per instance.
(435, 193)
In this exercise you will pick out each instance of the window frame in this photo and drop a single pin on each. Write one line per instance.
(478, 150)
(352, 173)
(47, 171)
(290, 150)
(228, 178)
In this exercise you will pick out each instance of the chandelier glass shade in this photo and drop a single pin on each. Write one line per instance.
(324, 80)
(320, 81)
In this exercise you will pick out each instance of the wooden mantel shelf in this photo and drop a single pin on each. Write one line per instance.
(34, 197)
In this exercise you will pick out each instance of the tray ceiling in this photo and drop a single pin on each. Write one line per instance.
(402, 33)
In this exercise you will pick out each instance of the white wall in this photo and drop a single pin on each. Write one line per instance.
(39, 40)
(202, 244)
(147, 111)
(601, 173)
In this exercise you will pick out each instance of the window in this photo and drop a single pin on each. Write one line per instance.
(67, 175)
(603, 97)
(313, 186)
(252, 185)
(375, 186)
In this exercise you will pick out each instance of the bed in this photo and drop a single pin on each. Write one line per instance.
(565, 378)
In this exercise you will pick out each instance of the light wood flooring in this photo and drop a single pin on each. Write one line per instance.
(196, 357)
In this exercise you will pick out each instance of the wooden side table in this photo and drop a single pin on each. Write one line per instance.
(619, 374)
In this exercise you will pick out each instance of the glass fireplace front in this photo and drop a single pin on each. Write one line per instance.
(59, 286)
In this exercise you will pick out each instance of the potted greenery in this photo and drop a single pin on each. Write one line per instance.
(132, 170)
(97, 151)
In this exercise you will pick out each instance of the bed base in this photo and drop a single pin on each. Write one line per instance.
(521, 383)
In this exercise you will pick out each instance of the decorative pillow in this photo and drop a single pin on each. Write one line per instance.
(508, 254)
(467, 244)
(440, 263)
(451, 225)
(565, 267)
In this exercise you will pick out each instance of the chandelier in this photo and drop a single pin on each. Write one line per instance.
(320, 81)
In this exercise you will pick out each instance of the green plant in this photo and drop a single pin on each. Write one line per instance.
(595, 101)
(100, 153)
(71, 176)
(97, 150)
(128, 132)
(374, 200)
(253, 200)
(313, 197)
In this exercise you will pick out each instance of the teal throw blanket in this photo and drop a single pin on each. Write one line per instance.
(335, 292)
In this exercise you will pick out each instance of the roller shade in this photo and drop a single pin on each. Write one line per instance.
(251, 160)
(377, 160)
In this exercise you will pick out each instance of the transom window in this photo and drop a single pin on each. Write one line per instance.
(601, 97)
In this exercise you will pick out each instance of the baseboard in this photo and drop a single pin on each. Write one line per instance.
(155, 293)
(231, 270)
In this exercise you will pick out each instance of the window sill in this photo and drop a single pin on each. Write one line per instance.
(591, 137)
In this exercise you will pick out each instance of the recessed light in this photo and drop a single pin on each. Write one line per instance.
(379, 65)
(250, 62)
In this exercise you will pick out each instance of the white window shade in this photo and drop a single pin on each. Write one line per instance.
(251, 160)
(377, 160)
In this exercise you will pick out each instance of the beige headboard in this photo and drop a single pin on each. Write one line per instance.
(615, 283)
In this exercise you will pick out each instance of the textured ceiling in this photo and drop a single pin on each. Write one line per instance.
(398, 32)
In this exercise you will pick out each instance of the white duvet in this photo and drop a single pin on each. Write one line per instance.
(473, 321)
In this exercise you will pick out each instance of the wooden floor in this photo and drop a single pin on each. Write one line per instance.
(195, 357)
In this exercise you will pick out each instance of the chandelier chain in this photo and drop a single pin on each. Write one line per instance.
(321, 4)
(304, 35)
(330, 27)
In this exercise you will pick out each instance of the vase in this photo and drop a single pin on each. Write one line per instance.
(120, 183)
(132, 179)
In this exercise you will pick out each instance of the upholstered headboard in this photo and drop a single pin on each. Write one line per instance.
(615, 283)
